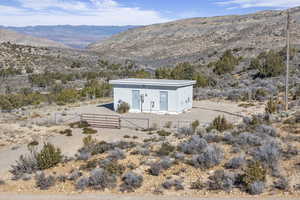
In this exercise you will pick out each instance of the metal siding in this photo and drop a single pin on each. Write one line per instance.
(152, 94)
(185, 98)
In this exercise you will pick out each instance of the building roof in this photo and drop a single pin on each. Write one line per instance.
(152, 82)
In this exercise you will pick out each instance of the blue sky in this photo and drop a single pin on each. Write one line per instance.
(125, 12)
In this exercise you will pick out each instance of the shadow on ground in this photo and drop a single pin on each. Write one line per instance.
(109, 106)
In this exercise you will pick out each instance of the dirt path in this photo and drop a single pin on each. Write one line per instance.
(204, 111)
(128, 197)
(68, 145)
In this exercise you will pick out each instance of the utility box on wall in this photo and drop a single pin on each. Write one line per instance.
(154, 95)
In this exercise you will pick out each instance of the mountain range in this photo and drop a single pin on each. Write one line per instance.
(195, 40)
(21, 39)
(202, 40)
(72, 36)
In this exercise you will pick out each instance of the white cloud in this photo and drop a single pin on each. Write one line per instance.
(105, 3)
(8, 10)
(260, 3)
(75, 12)
(47, 4)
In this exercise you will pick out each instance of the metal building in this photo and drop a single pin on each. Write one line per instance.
(154, 95)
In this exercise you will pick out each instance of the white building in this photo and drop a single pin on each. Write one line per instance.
(154, 95)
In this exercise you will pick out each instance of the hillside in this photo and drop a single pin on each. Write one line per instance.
(228, 57)
(201, 39)
(22, 39)
(20, 64)
(73, 36)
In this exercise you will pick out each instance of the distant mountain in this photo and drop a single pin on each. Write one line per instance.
(73, 36)
(202, 40)
(23, 39)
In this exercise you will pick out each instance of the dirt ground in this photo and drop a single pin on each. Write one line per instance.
(16, 134)
(204, 111)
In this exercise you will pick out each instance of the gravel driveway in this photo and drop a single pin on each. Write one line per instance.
(203, 111)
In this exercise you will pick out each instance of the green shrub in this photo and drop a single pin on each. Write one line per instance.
(80, 124)
(96, 89)
(123, 108)
(142, 74)
(114, 168)
(165, 149)
(268, 64)
(5, 103)
(163, 73)
(150, 140)
(179, 72)
(101, 147)
(246, 105)
(255, 121)
(33, 143)
(253, 173)
(91, 164)
(183, 71)
(12, 101)
(195, 125)
(260, 93)
(48, 157)
(163, 133)
(201, 80)
(226, 63)
(293, 53)
(297, 93)
(89, 131)
(221, 124)
(67, 132)
(271, 106)
(89, 141)
(67, 96)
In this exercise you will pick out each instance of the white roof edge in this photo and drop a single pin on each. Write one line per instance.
(154, 82)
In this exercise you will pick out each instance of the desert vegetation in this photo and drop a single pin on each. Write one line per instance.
(268, 64)
(123, 108)
(59, 96)
(226, 63)
(252, 158)
(228, 74)
(259, 155)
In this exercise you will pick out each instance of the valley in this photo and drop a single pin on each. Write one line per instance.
(237, 140)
